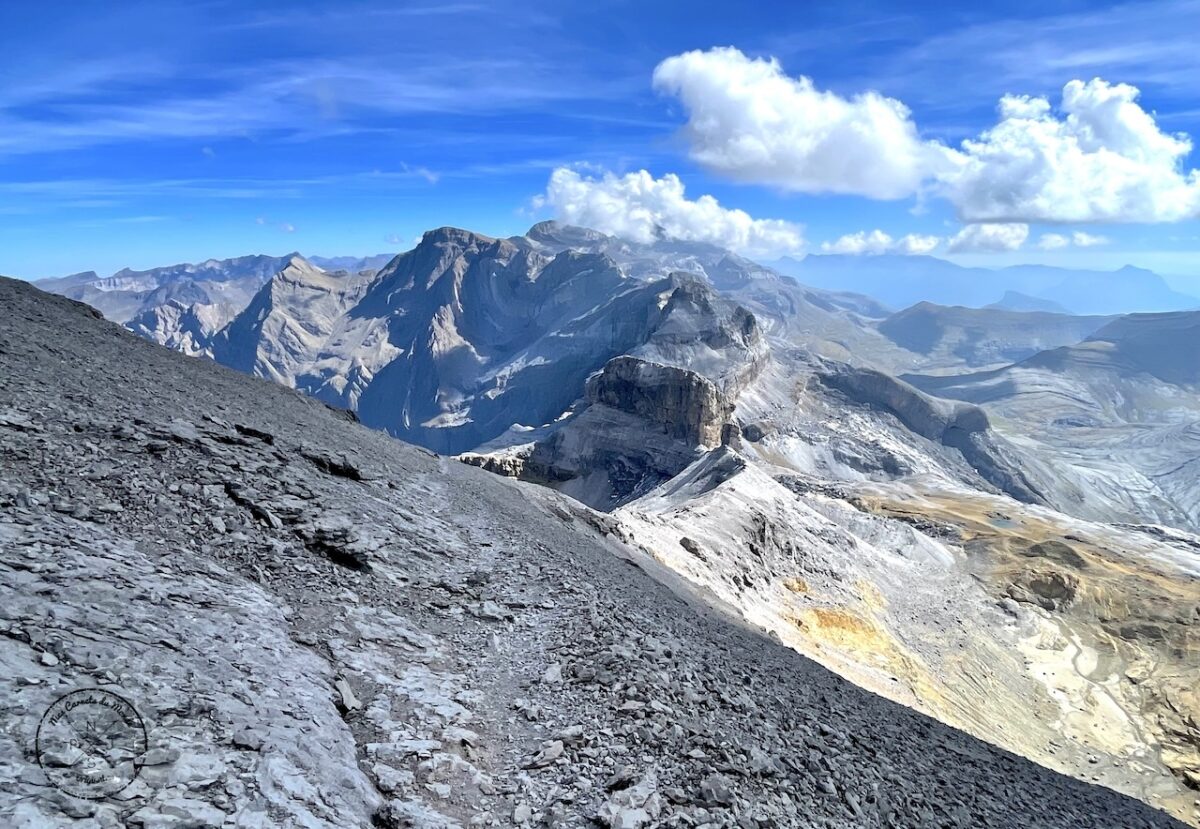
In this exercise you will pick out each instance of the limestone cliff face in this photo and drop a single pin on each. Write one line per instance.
(688, 406)
(707, 334)
(643, 423)
(288, 322)
(494, 334)
(649, 413)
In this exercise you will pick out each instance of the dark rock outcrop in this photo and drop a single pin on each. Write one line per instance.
(686, 405)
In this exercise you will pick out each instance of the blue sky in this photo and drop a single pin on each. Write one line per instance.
(146, 134)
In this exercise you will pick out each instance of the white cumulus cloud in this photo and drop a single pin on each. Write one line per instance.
(750, 121)
(1058, 241)
(642, 208)
(1103, 159)
(876, 242)
(1087, 240)
(989, 238)
(1053, 241)
(1100, 157)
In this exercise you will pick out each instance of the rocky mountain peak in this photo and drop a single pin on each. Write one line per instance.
(558, 235)
(456, 236)
(297, 269)
(445, 251)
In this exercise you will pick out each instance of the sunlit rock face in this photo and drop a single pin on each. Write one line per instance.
(228, 283)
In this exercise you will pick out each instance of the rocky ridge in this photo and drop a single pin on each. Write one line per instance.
(324, 627)
(227, 283)
(734, 400)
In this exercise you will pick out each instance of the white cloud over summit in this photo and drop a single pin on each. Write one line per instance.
(639, 207)
(1100, 158)
(751, 122)
(876, 242)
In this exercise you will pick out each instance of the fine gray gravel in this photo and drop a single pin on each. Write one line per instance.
(324, 627)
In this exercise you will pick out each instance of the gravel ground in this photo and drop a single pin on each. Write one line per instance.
(323, 627)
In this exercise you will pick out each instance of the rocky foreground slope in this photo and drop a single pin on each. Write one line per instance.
(321, 626)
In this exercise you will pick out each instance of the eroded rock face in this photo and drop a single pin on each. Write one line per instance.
(687, 406)
(927, 416)
(604, 456)
(492, 334)
(647, 414)
(289, 321)
(1052, 589)
(185, 328)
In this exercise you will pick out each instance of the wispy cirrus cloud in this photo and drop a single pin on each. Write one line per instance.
(358, 68)
(89, 192)
(1138, 41)
(298, 100)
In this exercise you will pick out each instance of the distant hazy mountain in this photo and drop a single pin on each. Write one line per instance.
(954, 337)
(1166, 346)
(896, 281)
(353, 264)
(1127, 290)
(128, 293)
(1017, 301)
(901, 281)
(60, 284)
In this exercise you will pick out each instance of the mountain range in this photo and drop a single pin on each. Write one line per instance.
(318, 625)
(900, 281)
(986, 514)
